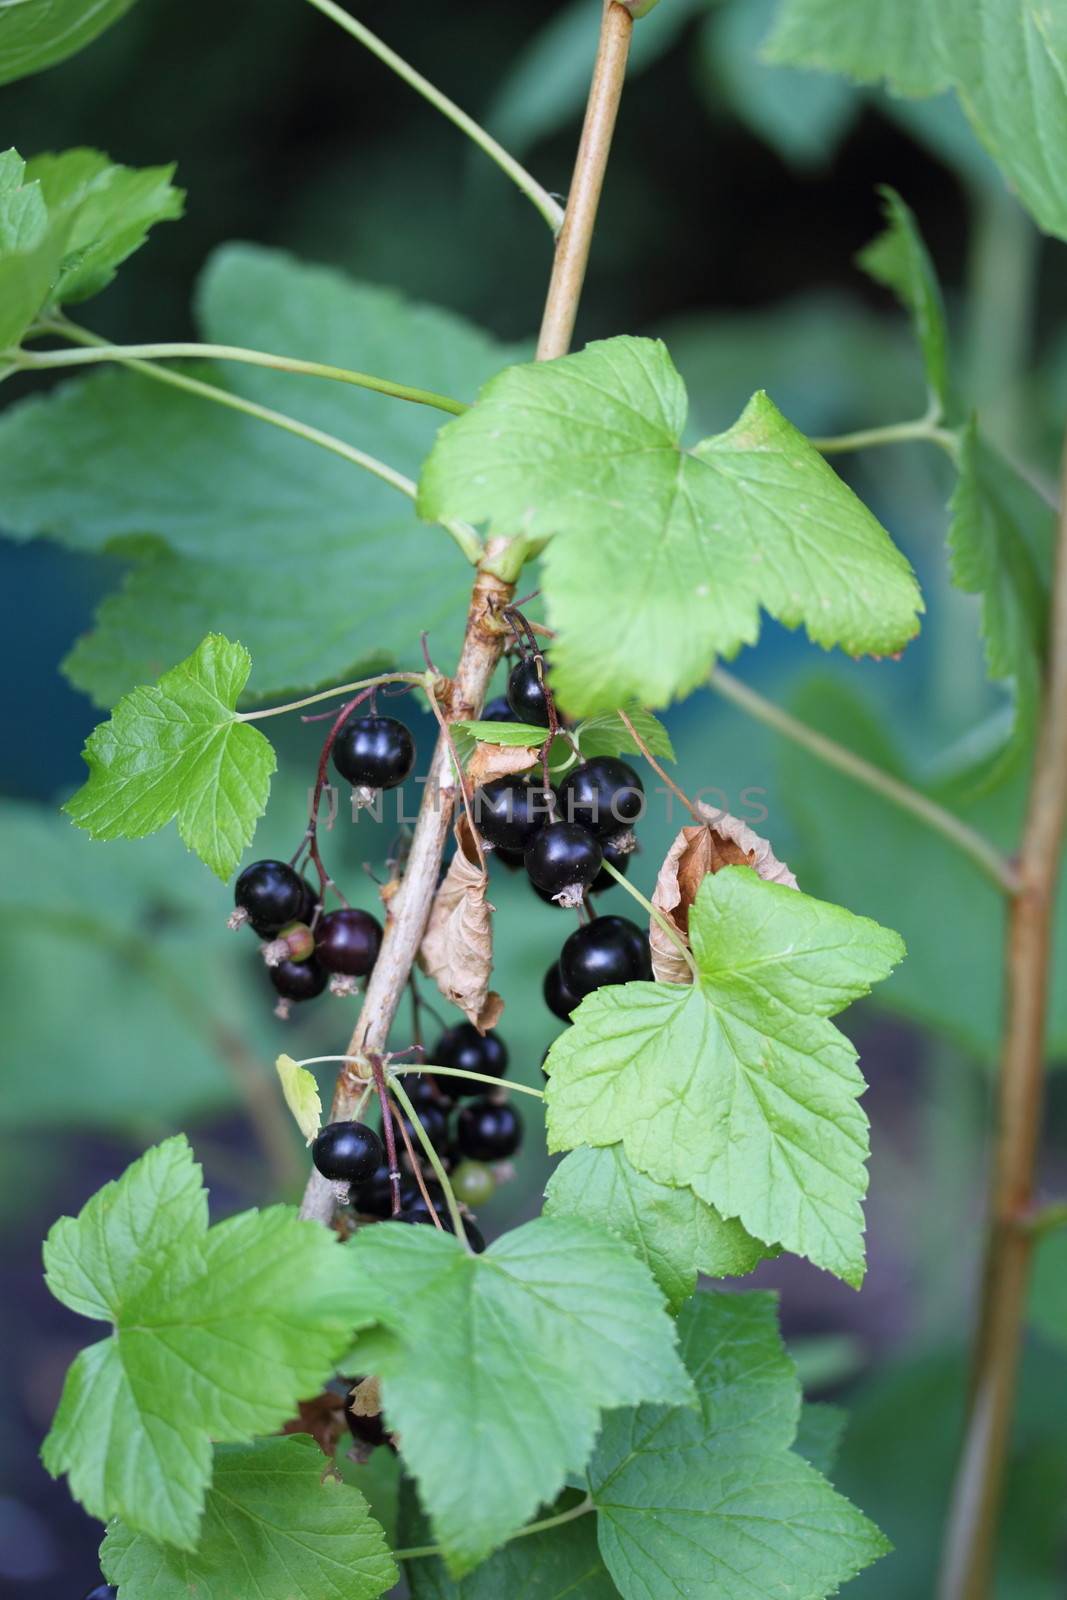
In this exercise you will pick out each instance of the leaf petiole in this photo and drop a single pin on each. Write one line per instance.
(583, 1507)
(417, 678)
(657, 916)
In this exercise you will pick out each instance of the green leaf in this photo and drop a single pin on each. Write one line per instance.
(865, 40)
(1048, 1295)
(506, 733)
(104, 211)
(301, 1095)
(899, 259)
(29, 253)
(896, 869)
(819, 1433)
(662, 557)
(712, 1503)
(178, 750)
(496, 1367)
(607, 736)
(738, 1086)
(1000, 543)
(35, 34)
(275, 1526)
(672, 1230)
(234, 527)
(216, 1336)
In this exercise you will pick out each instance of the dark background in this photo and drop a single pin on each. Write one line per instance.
(730, 221)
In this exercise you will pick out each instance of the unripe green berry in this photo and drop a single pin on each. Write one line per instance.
(473, 1183)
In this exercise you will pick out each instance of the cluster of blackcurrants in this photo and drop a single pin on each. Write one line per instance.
(563, 838)
(307, 948)
(474, 1140)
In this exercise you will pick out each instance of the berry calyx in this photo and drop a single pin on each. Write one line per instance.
(473, 1184)
(559, 999)
(347, 1152)
(497, 710)
(562, 860)
(348, 941)
(268, 894)
(607, 950)
(526, 692)
(604, 795)
(297, 981)
(488, 1131)
(617, 851)
(374, 752)
(294, 942)
(467, 1050)
(510, 811)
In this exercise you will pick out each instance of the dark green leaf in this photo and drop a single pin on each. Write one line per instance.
(35, 34)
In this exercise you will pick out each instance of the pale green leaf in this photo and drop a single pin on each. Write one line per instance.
(35, 34)
(235, 527)
(29, 253)
(216, 1337)
(660, 558)
(177, 749)
(512, 734)
(864, 39)
(607, 736)
(712, 1503)
(738, 1086)
(673, 1231)
(899, 259)
(519, 1349)
(301, 1093)
(275, 1526)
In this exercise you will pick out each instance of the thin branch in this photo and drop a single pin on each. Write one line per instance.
(576, 235)
(981, 850)
(549, 208)
(414, 678)
(465, 537)
(893, 433)
(665, 777)
(45, 360)
(971, 1538)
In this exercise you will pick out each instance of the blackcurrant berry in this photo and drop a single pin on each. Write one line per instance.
(512, 859)
(510, 811)
(298, 980)
(526, 693)
(374, 1197)
(497, 710)
(293, 942)
(607, 950)
(347, 1152)
(311, 901)
(374, 752)
(473, 1183)
(434, 1119)
(559, 999)
(562, 860)
(604, 794)
(103, 1591)
(467, 1050)
(348, 941)
(486, 1131)
(270, 894)
(620, 860)
(418, 1213)
(365, 1430)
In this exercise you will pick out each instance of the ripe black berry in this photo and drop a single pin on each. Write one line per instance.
(562, 860)
(270, 894)
(486, 1131)
(559, 999)
(604, 794)
(418, 1213)
(620, 860)
(347, 1152)
(512, 859)
(103, 1591)
(607, 950)
(434, 1119)
(510, 811)
(464, 1048)
(298, 980)
(497, 710)
(365, 1430)
(526, 693)
(348, 941)
(374, 1197)
(374, 752)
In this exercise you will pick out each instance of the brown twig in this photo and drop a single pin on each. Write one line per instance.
(679, 794)
(971, 1537)
(576, 234)
(483, 638)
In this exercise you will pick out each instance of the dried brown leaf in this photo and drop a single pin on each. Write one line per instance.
(323, 1417)
(722, 841)
(366, 1398)
(457, 947)
(499, 761)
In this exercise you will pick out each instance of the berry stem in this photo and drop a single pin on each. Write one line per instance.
(464, 536)
(388, 1131)
(44, 360)
(417, 679)
(679, 794)
(657, 917)
(549, 208)
(461, 1072)
(435, 1161)
(416, 1167)
(583, 1507)
(980, 849)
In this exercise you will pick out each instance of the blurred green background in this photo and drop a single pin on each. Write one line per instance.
(738, 197)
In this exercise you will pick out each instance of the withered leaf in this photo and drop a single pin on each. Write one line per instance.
(457, 947)
(499, 761)
(722, 841)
